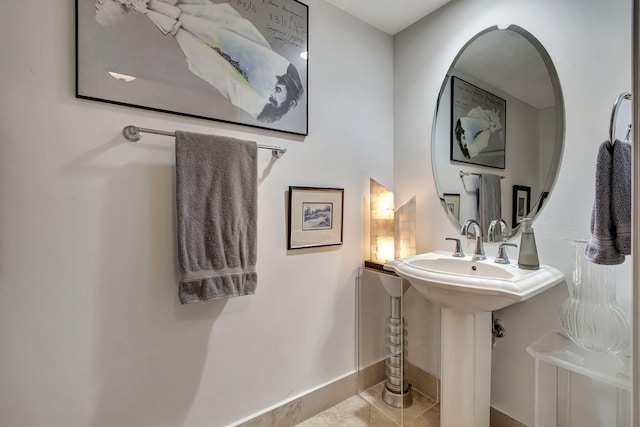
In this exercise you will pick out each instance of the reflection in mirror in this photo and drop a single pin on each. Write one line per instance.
(498, 132)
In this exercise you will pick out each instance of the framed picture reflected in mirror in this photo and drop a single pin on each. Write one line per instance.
(452, 203)
(521, 204)
(478, 120)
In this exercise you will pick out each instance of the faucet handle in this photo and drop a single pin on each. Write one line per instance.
(502, 257)
(458, 251)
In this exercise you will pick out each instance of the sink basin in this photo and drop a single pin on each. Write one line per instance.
(468, 291)
(472, 286)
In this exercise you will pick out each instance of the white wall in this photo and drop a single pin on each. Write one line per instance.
(590, 44)
(91, 330)
(92, 333)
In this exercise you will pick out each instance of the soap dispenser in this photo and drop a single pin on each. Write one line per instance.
(528, 258)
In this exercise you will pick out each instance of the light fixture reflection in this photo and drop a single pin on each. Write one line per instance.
(304, 55)
(121, 77)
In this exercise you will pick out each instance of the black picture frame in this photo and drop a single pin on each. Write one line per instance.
(148, 59)
(478, 125)
(543, 198)
(315, 216)
(521, 204)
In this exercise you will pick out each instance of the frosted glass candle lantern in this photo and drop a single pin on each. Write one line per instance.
(381, 223)
(405, 229)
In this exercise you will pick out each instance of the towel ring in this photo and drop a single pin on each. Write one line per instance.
(614, 115)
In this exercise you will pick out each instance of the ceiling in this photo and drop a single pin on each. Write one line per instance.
(492, 59)
(390, 16)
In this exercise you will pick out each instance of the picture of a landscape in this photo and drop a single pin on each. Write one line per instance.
(317, 216)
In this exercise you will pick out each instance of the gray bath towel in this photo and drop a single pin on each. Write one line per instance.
(216, 191)
(611, 214)
(489, 200)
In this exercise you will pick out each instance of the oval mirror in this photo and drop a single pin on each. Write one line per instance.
(498, 131)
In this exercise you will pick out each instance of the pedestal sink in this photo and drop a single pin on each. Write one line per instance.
(468, 291)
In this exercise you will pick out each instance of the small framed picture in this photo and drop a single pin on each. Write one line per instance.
(521, 204)
(315, 217)
(452, 203)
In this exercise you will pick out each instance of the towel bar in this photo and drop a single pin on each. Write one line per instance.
(132, 133)
(465, 173)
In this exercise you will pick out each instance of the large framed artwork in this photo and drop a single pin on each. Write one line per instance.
(478, 121)
(238, 61)
(315, 217)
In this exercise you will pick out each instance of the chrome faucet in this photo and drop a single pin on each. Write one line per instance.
(497, 229)
(478, 254)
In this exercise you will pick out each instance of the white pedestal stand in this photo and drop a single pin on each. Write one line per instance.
(466, 368)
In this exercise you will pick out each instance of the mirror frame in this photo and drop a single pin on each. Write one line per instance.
(556, 157)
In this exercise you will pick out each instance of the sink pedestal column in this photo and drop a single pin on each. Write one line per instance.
(466, 368)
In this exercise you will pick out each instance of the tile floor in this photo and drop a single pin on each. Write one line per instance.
(368, 410)
(359, 412)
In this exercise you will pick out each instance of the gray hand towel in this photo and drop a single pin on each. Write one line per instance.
(621, 195)
(611, 215)
(489, 200)
(216, 192)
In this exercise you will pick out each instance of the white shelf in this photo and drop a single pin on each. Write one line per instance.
(556, 349)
